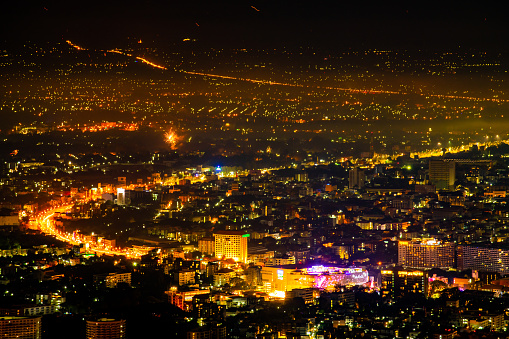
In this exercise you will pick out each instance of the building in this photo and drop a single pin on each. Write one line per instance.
(445, 334)
(120, 196)
(356, 178)
(254, 276)
(307, 294)
(185, 277)
(344, 251)
(277, 280)
(425, 253)
(231, 245)
(280, 261)
(105, 328)
(301, 176)
(184, 299)
(442, 174)
(206, 246)
(216, 331)
(31, 310)
(485, 259)
(301, 256)
(20, 327)
(111, 280)
(9, 220)
(397, 282)
(223, 276)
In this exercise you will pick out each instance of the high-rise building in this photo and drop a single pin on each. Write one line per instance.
(356, 178)
(105, 328)
(20, 327)
(398, 282)
(442, 174)
(425, 253)
(206, 246)
(231, 245)
(485, 259)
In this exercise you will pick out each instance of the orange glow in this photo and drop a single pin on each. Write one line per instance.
(172, 139)
(151, 63)
(344, 89)
(75, 46)
(138, 58)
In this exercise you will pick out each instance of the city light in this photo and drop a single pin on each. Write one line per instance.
(258, 177)
(172, 139)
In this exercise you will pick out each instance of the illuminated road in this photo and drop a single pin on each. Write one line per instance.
(457, 149)
(44, 222)
(268, 82)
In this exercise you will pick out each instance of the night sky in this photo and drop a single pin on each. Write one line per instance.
(332, 24)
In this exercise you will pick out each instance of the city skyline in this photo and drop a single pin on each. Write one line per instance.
(254, 169)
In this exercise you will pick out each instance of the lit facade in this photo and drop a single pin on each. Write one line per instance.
(20, 327)
(278, 280)
(120, 196)
(399, 282)
(223, 276)
(231, 245)
(206, 246)
(425, 253)
(483, 259)
(105, 328)
(186, 277)
(184, 299)
(111, 280)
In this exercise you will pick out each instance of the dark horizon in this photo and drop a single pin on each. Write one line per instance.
(323, 24)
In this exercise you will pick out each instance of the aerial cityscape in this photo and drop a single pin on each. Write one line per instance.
(253, 170)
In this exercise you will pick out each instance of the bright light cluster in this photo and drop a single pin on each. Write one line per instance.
(320, 269)
(347, 277)
(172, 139)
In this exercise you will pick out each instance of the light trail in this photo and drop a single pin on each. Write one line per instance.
(75, 46)
(151, 63)
(343, 89)
(268, 82)
(44, 222)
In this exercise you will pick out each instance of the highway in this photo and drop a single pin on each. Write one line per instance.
(44, 222)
